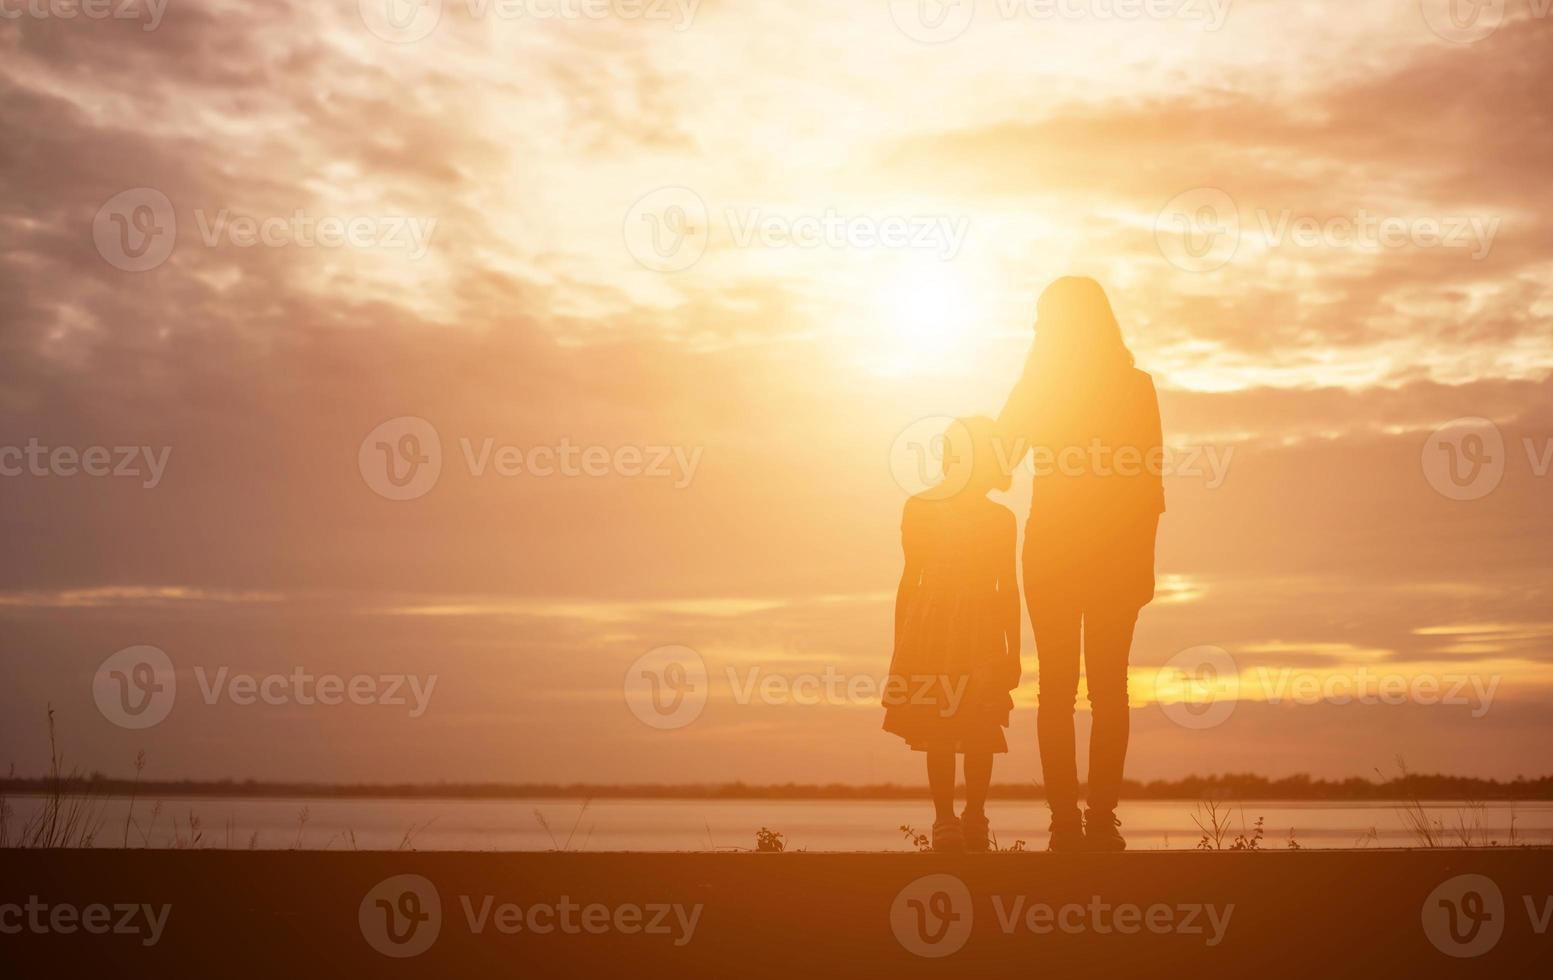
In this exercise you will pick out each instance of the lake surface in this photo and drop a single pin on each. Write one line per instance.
(685, 825)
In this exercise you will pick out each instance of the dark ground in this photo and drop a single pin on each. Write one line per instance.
(315, 914)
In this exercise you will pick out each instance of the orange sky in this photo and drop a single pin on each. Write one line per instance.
(1389, 271)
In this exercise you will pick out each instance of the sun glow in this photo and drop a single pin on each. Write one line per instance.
(927, 315)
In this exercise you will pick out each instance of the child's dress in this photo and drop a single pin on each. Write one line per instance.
(951, 672)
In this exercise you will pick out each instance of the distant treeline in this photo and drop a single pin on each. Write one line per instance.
(1231, 786)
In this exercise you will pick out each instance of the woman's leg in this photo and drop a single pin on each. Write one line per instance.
(1107, 642)
(940, 780)
(1055, 621)
(978, 777)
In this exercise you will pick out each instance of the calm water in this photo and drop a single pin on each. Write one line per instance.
(684, 825)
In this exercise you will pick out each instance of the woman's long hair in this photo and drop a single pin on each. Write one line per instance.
(1076, 332)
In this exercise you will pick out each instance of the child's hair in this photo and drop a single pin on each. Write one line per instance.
(972, 461)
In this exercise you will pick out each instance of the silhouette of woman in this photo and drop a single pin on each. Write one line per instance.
(956, 652)
(1091, 420)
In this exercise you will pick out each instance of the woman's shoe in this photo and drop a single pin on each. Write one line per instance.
(948, 835)
(1067, 834)
(977, 830)
(1100, 833)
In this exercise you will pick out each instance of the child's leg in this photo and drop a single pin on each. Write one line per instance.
(940, 780)
(978, 777)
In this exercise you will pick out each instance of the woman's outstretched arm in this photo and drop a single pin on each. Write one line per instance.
(1153, 449)
(911, 574)
(1008, 596)
(1014, 420)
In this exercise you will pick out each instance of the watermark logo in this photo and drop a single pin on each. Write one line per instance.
(401, 458)
(1464, 916)
(1198, 687)
(570, 460)
(401, 21)
(401, 916)
(1465, 458)
(941, 21)
(146, 921)
(145, 463)
(300, 686)
(920, 460)
(1104, 918)
(917, 458)
(135, 230)
(1210, 13)
(1364, 686)
(570, 918)
(407, 21)
(932, 21)
(667, 687)
(1462, 21)
(135, 687)
(149, 11)
(299, 229)
(932, 916)
(667, 230)
(1198, 230)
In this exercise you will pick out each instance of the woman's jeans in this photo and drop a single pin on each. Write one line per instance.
(1058, 620)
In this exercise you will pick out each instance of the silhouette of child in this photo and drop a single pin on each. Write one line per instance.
(957, 630)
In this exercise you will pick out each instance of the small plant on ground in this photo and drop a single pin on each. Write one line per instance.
(769, 841)
(1014, 848)
(195, 833)
(68, 817)
(407, 842)
(129, 815)
(1293, 844)
(1251, 841)
(555, 845)
(916, 838)
(1213, 820)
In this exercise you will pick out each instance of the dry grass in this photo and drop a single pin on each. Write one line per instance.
(66, 819)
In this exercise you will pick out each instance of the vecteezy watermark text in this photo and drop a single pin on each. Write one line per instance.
(303, 687)
(137, 686)
(669, 229)
(148, 11)
(137, 230)
(36, 916)
(669, 686)
(407, 21)
(1200, 687)
(402, 916)
(932, 917)
(940, 21)
(1124, 919)
(1201, 229)
(917, 459)
(145, 463)
(401, 459)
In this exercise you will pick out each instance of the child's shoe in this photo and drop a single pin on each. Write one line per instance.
(948, 835)
(977, 830)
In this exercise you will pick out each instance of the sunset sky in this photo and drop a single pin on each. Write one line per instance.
(935, 184)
